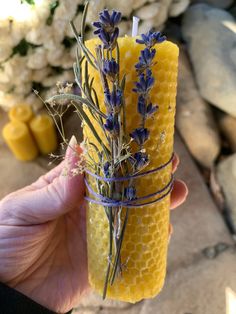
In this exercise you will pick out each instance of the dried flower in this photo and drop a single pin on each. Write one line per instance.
(106, 28)
(146, 111)
(114, 99)
(140, 135)
(145, 60)
(130, 193)
(151, 38)
(106, 169)
(112, 124)
(107, 21)
(110, 68)
(145, 83)
(140, 160)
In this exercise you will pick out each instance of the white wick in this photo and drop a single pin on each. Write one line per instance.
(135, 26)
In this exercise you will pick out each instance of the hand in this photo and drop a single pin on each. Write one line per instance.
(43, 237)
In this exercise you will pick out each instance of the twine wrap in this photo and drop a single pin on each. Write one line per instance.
(108, 202)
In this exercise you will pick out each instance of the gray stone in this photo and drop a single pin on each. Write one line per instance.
(200, 288)
(194, 118)
(211, 38)
(197, 223)
(226, 174)
(228, 127)
(223, 4)
(178, 6)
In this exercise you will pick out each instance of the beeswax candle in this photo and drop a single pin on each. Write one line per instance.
(20, 141)
(21, 112)
(144, 248)
(43, 130)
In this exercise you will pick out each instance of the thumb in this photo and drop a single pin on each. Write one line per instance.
(63, 194)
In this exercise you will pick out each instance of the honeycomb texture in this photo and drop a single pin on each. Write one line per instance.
(144, 249)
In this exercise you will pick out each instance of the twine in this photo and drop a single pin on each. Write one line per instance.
(108, 202)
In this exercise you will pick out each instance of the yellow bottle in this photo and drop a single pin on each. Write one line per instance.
(20, 141)
(144, 249)
(43, 130)
(21, 112)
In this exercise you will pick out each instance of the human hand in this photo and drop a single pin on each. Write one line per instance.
(43, 237)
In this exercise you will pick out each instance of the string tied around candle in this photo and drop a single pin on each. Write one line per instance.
(109, 202)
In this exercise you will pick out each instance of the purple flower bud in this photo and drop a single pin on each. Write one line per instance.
(111, 68)
(151, 38)
(145, 60)
(140, 160)
(106, 169)
(130, 193)
(145, 83)
(112, 124)
(114, 99)
(140, 135)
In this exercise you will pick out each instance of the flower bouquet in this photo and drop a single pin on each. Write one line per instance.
(127, 108)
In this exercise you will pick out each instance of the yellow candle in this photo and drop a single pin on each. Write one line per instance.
(20, 141)
(21, 112)
(43, 130)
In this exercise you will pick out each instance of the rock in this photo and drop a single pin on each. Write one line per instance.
(194, 118)
(226, 175)
(178, 6)
(199, 288)
(124, 6)
(148, 11)
(138, 3)
(223, 4)
(210, 34)
(228, 128)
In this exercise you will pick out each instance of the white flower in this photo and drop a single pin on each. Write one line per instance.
(23, 89)
(5, 51)
(34, 101)
(55, 54)
(66, 10)
(17, 70)
(37, 59)
(66, 76)
(40, 75)
(9, 100)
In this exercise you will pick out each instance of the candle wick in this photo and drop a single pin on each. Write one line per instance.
(135, 26)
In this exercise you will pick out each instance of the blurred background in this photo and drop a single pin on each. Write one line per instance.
(37, 50)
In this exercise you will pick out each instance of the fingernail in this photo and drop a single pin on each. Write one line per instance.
(71, 146)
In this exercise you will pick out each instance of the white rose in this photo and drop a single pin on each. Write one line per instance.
(17, 70)
(37, 59)
(40, 75)
(66, 76)
(54, 55)
(9, 100)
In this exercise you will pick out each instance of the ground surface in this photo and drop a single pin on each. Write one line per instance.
(202, 257)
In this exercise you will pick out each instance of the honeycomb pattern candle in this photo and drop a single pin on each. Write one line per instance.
(128, 90)
(20, 141)
(21, 112)
(43, 130)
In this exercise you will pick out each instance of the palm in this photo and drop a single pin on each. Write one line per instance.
(50, 263)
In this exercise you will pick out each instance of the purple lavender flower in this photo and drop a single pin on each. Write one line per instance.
(151, 38)
(111, 68)
(109, 39)
(145, 83)
(114, 99)
(106, 28)
(107, 21)
(145, 110)
(112, 124)
(140, 135)
(130, 193)
(106, 167)
(140, 160)
(145, 60)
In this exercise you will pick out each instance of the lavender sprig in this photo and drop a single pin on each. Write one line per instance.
(143, 87)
